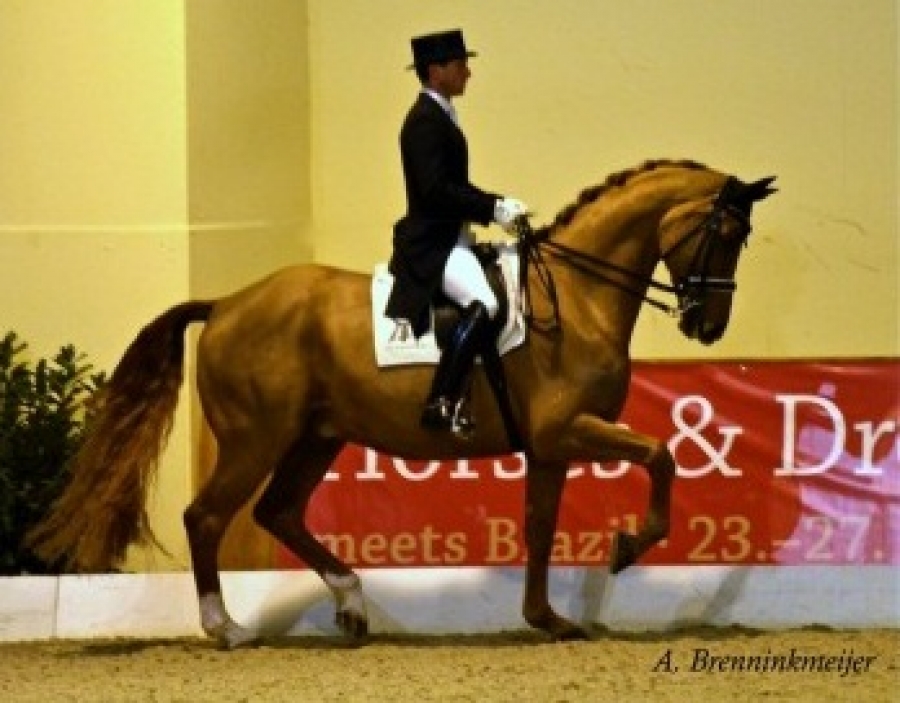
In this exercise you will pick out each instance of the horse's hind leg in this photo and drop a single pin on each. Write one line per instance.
(237, 475)
(282, 511)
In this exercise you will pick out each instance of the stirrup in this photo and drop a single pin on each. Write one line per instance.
(437, 415)
(444, 414)
(463, 424)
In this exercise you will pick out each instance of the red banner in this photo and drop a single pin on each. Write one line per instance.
(778, 462)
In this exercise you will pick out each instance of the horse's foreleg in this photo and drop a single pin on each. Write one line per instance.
(626, 548)
(594, 438)
(545, 487)
(232, 483)
(282, 510)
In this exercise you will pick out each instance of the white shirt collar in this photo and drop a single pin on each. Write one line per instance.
(445, 104)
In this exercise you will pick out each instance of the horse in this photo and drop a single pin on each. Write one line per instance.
(287, 375)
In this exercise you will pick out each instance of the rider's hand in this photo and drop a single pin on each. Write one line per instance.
(507, 211)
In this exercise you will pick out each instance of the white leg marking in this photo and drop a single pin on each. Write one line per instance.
(217, 623)
(348, 593)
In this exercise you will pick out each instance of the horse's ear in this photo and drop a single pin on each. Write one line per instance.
(744, 195)
(762, 188)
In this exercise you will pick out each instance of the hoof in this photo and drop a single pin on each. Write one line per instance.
(559, 629)
(624, 552)
(350, 614)
(352, 624)
(232, 636)
(570, 633)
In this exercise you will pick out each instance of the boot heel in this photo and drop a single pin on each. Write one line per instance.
(463, 425)
(438, 415)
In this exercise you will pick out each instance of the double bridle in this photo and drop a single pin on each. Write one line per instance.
(690, 290)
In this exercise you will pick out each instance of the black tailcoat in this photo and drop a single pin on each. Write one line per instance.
(439, 199)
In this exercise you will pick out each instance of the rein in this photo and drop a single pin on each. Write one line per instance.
(531, 253)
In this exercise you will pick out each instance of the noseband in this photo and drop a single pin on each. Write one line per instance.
(691, 290)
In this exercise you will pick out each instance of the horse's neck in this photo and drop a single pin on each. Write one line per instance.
(621, 228)
(599, 302)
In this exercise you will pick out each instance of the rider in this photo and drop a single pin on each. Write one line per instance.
(431, 251)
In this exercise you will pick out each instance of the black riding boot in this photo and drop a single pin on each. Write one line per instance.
(442, 409)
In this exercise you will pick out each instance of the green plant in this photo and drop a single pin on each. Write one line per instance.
(44, 414)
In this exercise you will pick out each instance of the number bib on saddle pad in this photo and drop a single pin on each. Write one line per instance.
(395, 344)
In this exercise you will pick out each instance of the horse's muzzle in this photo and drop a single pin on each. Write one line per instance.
(694, 325)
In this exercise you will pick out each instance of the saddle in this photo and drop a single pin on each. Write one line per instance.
(394, 342)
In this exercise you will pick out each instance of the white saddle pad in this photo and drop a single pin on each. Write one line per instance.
(395, 344)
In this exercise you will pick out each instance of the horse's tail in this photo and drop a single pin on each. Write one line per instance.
(102, 510)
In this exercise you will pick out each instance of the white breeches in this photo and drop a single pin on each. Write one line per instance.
(465, 282)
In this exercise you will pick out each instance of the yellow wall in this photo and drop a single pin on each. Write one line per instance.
(156, 150)
(93, 185)
(248, 140)
(152, 151)
(563, 93)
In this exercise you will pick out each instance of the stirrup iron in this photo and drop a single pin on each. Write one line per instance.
(463, 424)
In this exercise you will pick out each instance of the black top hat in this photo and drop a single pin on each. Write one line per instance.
(440, 47)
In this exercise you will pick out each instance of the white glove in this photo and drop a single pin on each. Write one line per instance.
(507, 211)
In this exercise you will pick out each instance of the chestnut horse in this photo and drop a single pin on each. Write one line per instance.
(286, 374)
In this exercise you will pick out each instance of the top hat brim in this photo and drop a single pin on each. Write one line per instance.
(467, 55)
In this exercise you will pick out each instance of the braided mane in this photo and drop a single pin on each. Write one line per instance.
(614, 180)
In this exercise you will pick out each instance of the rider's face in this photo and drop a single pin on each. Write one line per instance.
(449, 79)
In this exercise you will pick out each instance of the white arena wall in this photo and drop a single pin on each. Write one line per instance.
(458, 600)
